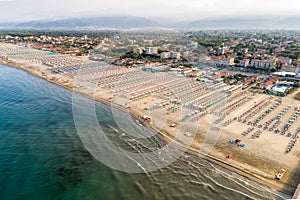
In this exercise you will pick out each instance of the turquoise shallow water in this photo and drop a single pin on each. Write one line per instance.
(42, 157)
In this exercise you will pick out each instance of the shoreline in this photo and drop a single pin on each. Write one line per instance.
(163, 134)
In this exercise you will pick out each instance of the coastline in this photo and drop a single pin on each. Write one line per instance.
(162, 133)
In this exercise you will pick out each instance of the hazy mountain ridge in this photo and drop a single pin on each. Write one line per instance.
(95, 22)
(127, 22)
(245, 23)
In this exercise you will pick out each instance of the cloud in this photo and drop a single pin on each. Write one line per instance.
(17, 10)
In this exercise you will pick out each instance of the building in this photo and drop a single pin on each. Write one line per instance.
(222, 61)
(291, 68)
(244, 50)
(165, 55)
(230, 61)
(221, 75)
(263, 64)
(269, 83)
(244, 63)
(186, 54)
(210, 49)
(221, 51)
(187, 71)
(284, 74)
(285, 61)
(102, 49)
(278, 50)
(151, 50)
(175, 55)
(250, 80)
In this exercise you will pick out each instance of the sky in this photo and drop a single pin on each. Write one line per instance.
(169, 10)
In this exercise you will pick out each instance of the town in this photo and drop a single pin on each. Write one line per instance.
(266, 62)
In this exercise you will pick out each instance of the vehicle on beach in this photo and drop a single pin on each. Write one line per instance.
(188, 134)
(280, 174)
(173, 125)
(147, 118)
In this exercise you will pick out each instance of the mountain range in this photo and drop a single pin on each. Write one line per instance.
(246, 23)
(130, 22)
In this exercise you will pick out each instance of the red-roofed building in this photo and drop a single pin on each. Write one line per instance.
(269, 84)
(221, 75)
(250, 80)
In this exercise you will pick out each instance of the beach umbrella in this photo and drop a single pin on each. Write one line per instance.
(229, 156)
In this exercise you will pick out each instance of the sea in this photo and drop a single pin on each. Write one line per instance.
(43, 158)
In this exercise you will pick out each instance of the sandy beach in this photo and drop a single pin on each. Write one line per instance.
(264, 153)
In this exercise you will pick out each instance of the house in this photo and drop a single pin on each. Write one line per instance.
(221, 75)
(151, 50)
(221, 61)
(175, 55)
(165, 55)
(278, 50)
(221, 51)
(270, 83)
(285, 61)
(250, 80)
(210, 49)
(186, 54)
(187, 71)
(244, 50)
